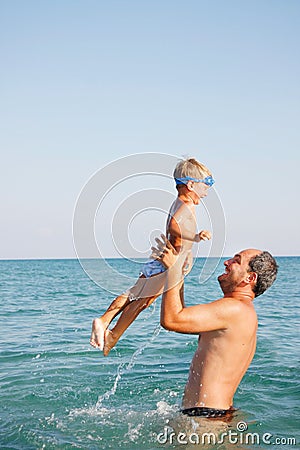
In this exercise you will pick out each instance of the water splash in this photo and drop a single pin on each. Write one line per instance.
(111, 391)
(123, 368)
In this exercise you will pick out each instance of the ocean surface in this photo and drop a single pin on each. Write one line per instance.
(57, 392)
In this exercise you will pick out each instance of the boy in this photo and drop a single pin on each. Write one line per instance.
(193, 180)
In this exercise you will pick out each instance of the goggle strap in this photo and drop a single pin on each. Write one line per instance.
(209, 181)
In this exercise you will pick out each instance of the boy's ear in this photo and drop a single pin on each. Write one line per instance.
(190, 185)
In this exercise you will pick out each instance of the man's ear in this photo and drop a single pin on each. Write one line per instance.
(252, 277)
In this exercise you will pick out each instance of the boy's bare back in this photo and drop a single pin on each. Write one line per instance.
(181, 225)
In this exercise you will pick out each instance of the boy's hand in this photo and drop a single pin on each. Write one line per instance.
(204, 235)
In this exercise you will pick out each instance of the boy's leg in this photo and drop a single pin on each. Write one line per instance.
(101, 323)
(153, 288)
(129, 314)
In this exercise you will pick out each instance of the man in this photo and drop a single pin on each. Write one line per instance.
(226, 327)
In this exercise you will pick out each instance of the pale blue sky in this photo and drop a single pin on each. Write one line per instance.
(86, 82)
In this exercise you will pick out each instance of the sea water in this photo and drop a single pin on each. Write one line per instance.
(57, 392)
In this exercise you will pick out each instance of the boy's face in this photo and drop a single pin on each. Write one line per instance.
(201, 191)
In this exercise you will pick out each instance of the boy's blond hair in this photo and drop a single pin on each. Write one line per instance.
(191, 168)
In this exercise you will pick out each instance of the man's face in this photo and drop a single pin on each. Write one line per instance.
(236, 270)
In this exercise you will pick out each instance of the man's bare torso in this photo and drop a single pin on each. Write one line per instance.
(221, 360)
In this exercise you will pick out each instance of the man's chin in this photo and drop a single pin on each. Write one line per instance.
(225, 285)
(221, 277)
(221, 282)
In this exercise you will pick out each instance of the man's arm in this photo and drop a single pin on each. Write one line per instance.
(174, 315)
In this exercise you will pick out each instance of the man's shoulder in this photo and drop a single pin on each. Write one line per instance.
(232, 306)
(238, 315)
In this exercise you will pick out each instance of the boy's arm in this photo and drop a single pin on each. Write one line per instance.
(184, 233)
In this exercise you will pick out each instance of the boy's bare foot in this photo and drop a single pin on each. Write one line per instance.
(97, 336)
(109, 342)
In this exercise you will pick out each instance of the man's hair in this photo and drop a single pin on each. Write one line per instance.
(265, 266)
(191, 168)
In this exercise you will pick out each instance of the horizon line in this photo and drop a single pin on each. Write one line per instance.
(114, 257)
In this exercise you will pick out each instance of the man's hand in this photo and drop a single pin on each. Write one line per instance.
(164, 252)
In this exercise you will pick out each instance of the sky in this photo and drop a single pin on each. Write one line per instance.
(85, 83)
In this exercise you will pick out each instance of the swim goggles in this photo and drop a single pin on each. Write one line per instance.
(209, 181)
